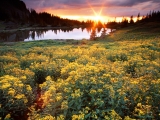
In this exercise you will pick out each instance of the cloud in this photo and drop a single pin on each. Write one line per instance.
(110, 7)
(129, 3)
(83, 3)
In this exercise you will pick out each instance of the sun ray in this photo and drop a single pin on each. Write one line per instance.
(101, 10)
(97, 14)
(98, 17)
(92, 8)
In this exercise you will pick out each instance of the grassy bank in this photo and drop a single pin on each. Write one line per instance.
(117, 77)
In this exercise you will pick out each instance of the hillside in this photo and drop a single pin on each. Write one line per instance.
(138, 31)
(13, 10)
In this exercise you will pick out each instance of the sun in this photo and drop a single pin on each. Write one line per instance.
(98, 18)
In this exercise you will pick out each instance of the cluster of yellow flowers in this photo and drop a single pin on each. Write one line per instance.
(15, 92)
(86, 78)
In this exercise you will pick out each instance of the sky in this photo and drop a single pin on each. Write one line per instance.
(104, 10)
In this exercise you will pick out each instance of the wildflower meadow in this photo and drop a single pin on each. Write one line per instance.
(91, 80)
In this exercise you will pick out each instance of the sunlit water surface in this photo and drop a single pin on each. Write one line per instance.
(54, 34)
(77, 34)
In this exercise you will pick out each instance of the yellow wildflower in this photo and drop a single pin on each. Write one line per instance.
(48, 78)
(48, 117)
(7, 116)
(58, 98)
(92, 91)
(25, 101)
(11, 92)
(19, 96)
(61, 117)
(23, 77)
(75, 117)
(64, 105)
(28, 87)
(7, 85)
(100, 90)
(21, 85)
(77, 93)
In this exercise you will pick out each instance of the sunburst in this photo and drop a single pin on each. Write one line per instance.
(98, 16)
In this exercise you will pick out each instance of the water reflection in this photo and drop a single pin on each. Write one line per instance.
(44, 34)
(14, 36)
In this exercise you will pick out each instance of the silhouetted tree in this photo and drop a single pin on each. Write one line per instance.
(99, 24)
(131, 20)
(151, 17)
(138, 17)
(3, 15)
(124, 22)
(112, 25)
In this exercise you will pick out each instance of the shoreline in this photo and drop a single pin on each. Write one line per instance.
(36, 28)
(57, 41)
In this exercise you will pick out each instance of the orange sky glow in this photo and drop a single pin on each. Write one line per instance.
(94, 16)
(103, 10)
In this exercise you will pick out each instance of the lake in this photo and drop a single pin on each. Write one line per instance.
(51, 34)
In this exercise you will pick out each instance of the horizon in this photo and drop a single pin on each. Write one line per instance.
(95, 10)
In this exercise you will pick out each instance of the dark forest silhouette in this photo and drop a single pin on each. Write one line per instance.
(16, 13)
(151, 17)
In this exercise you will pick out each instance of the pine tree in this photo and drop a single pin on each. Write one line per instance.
(124, 22)
(131, 20)
(138, 17)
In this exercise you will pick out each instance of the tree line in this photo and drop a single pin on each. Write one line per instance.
(44, 19)
(16, 12)
(153, 16)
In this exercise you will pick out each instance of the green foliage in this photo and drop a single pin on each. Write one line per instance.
(8, 59)
(16, 97)
(131, 68)
(87, 95)
(25, 64)
(2, 71)
(117, 57)
(40, 76)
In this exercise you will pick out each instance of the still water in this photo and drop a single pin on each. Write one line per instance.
(52, 34)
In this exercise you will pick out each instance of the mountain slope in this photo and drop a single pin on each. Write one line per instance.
(13, 10)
